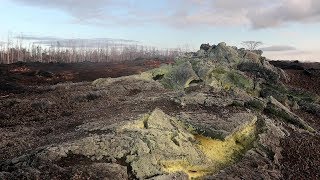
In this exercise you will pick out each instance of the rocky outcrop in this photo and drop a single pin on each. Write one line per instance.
(214, 114)
(154, 145)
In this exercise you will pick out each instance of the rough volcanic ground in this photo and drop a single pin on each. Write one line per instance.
(37, 111)
(301, 155)
(43, 122)
(302, 75)
(15, 77)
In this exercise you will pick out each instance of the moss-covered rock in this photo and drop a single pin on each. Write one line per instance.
(212, 126)
(154, 145)
(158, 73)
(260, 71)
(202, 67)
(180, 76)
(224, 54)
(227, 79)
(277, 109)
(256, 104)
(279, 92)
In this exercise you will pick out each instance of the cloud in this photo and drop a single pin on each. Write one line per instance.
(286, 11)
(35, 38)
(278, 48)
(76, 42)
(190, 13)
(87, 43)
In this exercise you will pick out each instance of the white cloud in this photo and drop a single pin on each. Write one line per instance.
(286, 11)
(77, 42)
(278, 48)
(181, 13)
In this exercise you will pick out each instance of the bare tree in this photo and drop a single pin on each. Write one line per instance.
(13, 51)
(251, 45)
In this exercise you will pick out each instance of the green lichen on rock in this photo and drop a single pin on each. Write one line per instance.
(154, 145)
(180, 76)
(277, 109)
(277, 90)
(224, 54)
(256, 104)
(158, 73)
(266, 72)
(202, 67)
(104, 82)
(208, 125)
(227, 79)
(286, 95)
(301, 95)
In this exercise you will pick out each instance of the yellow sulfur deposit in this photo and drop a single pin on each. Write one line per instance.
(218, 153)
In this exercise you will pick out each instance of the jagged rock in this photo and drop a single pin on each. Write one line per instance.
(256, 103)
(265, 157)
(154, 145)
(277, 109)
(214, 126)
(278, 92)
(224, 54)
(260, 71)
(214, 134)
(283, 75)
(205, 47)
(223, 78)
(180, 76)
(202, 68)
(201, 53)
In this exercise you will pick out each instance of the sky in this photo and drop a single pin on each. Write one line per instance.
(289, 29)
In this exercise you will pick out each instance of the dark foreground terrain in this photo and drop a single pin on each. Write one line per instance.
(15, 78)
(301, 155)
(56, 124)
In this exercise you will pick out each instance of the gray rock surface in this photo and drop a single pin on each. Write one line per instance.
(150, 146)
(276, 108)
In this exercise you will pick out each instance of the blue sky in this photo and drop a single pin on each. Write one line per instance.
(289, 28)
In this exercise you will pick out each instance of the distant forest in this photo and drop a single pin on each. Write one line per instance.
(108, 52)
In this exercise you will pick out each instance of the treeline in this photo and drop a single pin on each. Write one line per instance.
(38, 53)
